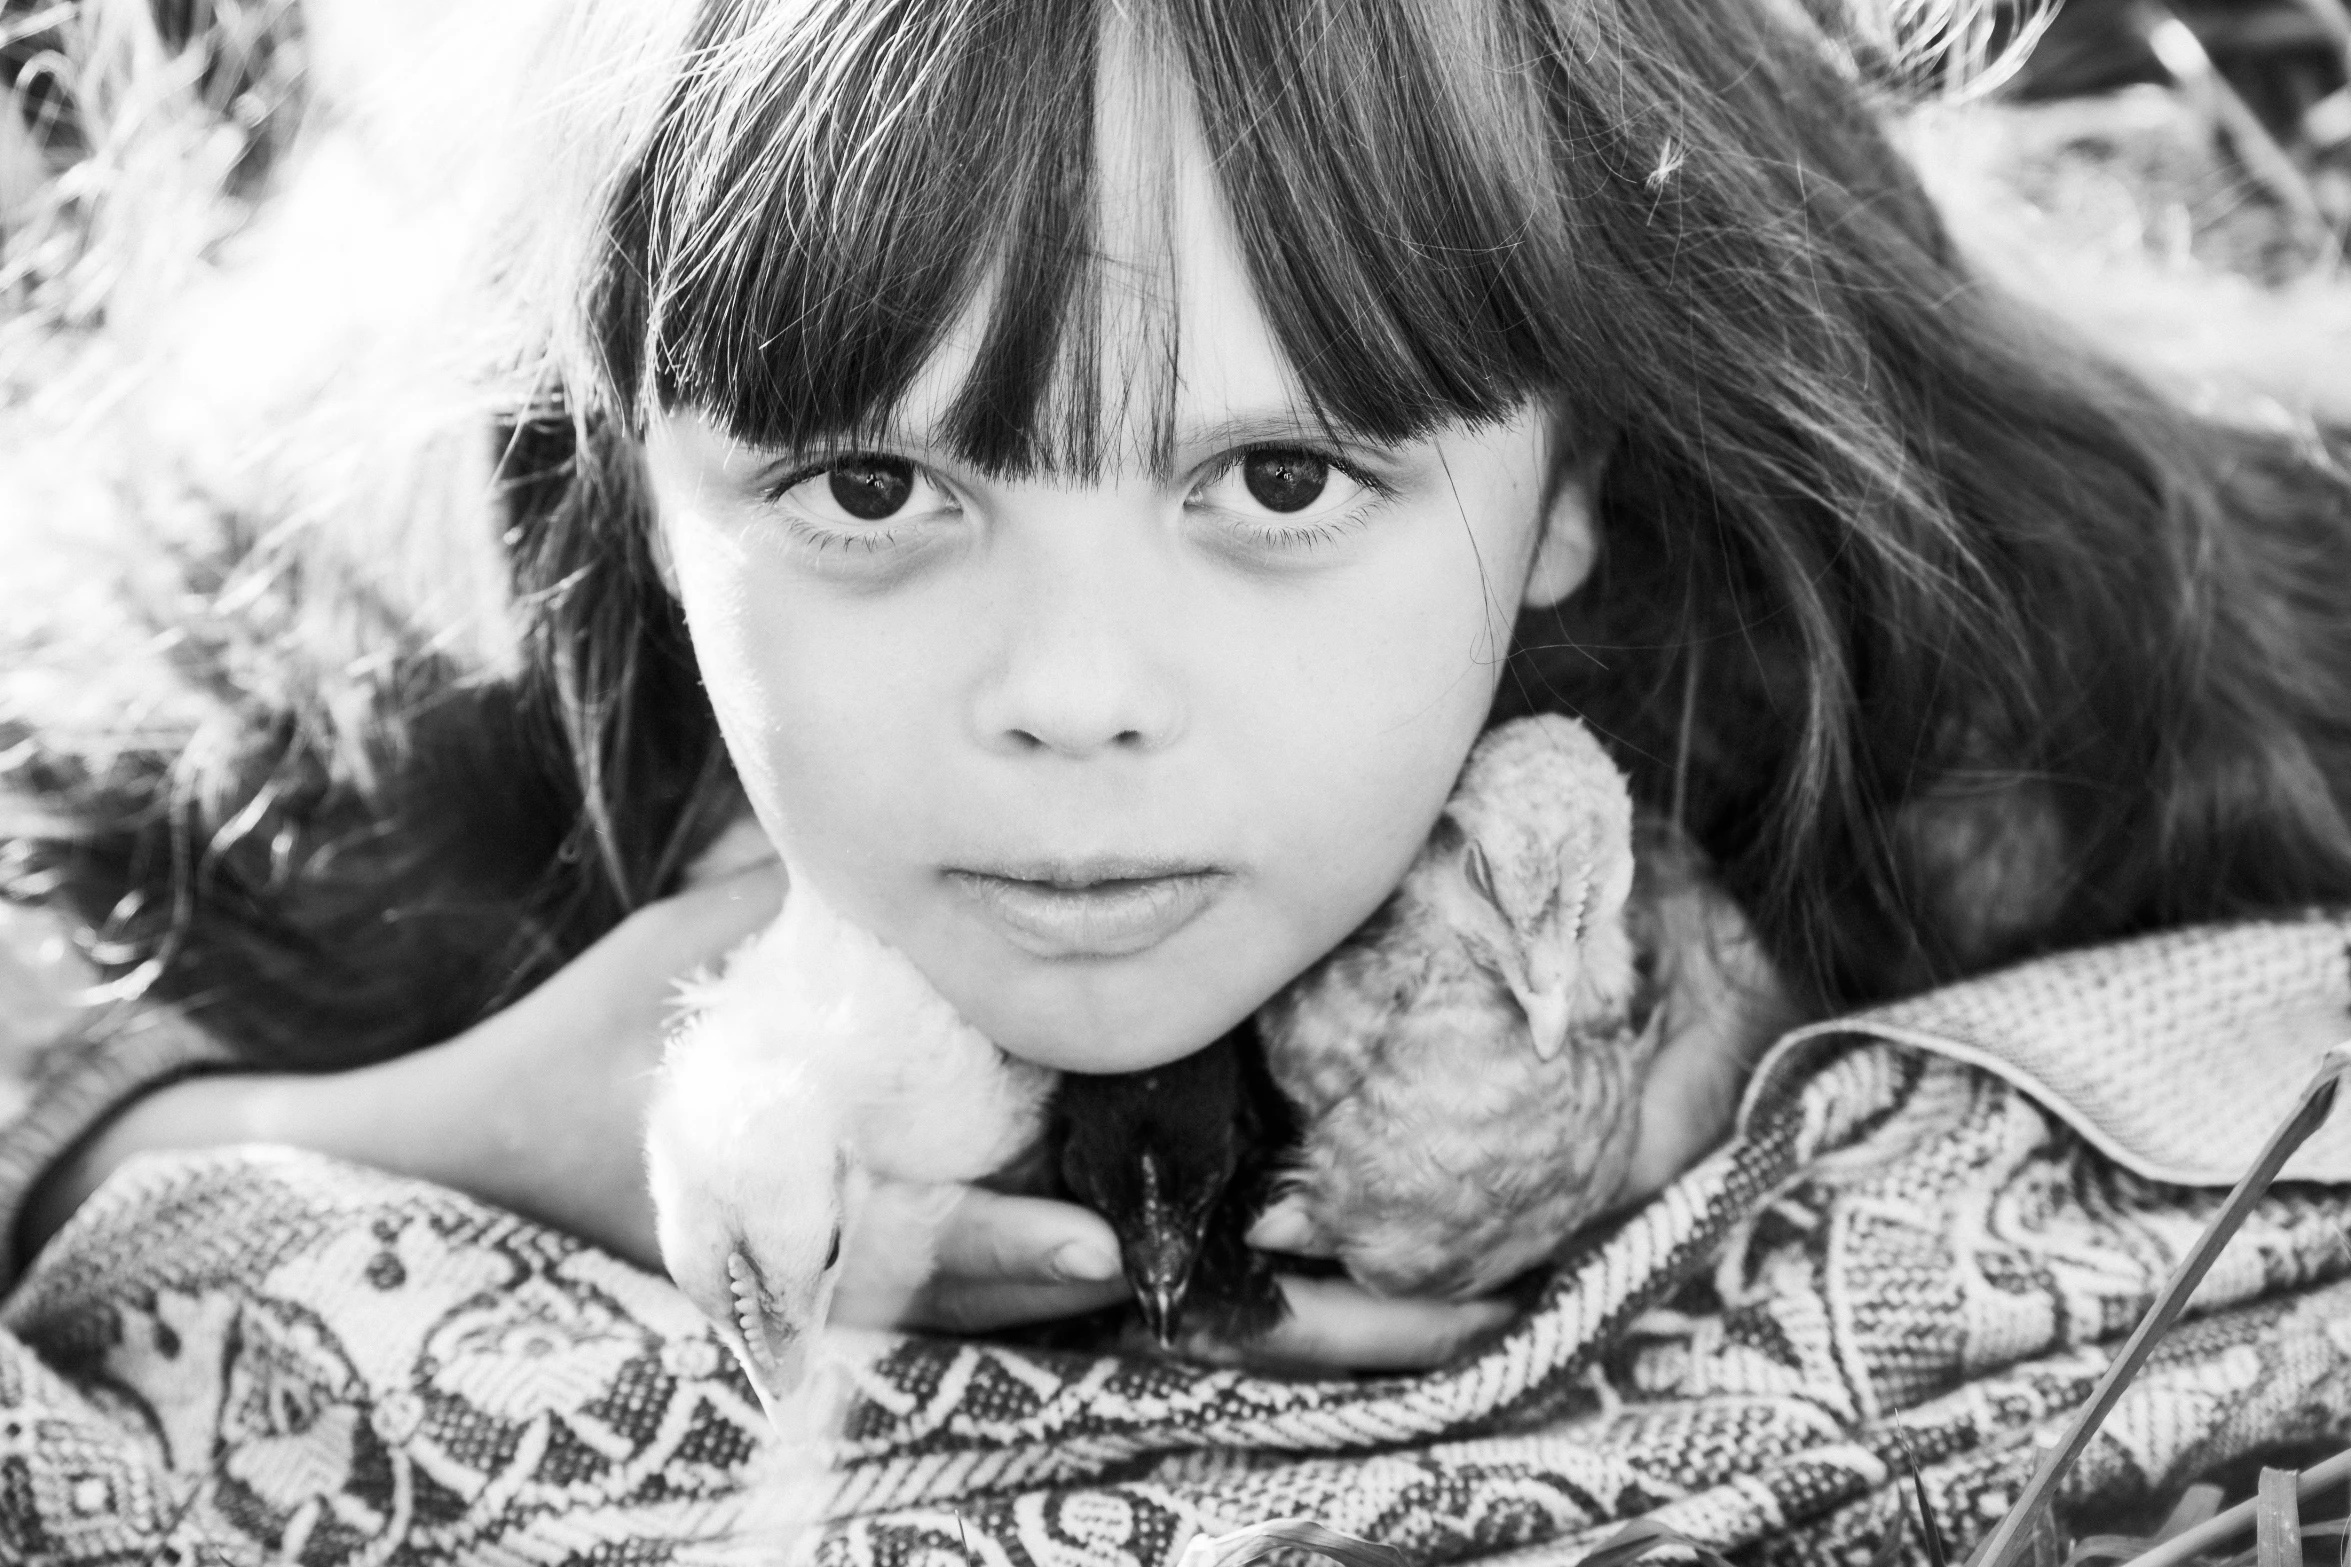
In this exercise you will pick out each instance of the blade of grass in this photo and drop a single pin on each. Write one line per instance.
(1243, 1546)
(2047, 1548)
(2277, 1520)
(1930, 1535)
(2014, 1533)
(1928, 1530)
(1641, 1537)
(2221, 1527)
(2197, 1505)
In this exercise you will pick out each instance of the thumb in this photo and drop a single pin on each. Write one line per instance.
(991, 1235)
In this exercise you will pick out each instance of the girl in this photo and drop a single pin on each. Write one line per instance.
(1082, 475)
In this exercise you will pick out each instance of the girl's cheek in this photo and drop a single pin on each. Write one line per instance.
(1384, 683)
(815, 697)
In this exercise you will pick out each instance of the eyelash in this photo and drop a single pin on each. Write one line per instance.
(1306, 536)
(814, 534)
(1283, 537)
(824, 540)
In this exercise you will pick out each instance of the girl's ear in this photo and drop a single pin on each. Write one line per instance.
(1571, 537)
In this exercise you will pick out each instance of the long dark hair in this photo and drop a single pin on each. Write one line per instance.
(1949, 641)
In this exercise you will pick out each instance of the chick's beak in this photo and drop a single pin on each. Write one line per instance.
(775, 1346)
(1160, 1305)
(1159, 1265)
(1547, 1017)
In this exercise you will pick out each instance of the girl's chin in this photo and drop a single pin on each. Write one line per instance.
(1124, 1013)
(1134, 1040)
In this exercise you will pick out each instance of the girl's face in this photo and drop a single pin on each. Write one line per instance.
(1113, 761)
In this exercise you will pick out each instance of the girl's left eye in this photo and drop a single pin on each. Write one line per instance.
(1288, 494)
(871, 489)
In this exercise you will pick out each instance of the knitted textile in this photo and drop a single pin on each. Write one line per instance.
(258, 1355)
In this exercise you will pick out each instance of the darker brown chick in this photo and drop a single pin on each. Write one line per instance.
(1180, 1159)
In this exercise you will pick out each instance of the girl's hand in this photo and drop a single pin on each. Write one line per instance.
(1335, 1324)
(1001, 1260)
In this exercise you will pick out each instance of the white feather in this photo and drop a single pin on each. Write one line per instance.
(927, 1097)
(817, 1088)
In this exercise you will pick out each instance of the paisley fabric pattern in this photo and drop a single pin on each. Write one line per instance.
(256, 1355)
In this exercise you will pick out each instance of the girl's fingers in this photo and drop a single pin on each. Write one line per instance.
(1006, 1260)
(979, 1305)
(1338, 1325)
(1289, 1226)
(961, 1258)
(992, 1237)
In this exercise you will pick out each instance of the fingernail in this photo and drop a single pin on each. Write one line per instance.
(1085, 1260)
(1286, 1226)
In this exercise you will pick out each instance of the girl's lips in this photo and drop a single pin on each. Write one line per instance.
(1104, 917)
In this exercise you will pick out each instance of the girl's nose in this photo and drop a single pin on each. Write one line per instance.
(1077, 674)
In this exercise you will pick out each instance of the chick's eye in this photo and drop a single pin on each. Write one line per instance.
(1480, 873)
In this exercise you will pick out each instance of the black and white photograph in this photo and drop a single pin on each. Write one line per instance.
(1175, 783)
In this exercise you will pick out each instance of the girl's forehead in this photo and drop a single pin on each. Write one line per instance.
(1184, 358)
(1070, 235)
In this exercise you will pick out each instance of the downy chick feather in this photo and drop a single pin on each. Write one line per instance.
(815, 1086)
(1467, 1066)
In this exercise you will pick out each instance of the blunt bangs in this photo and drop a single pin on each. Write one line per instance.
(830, 188)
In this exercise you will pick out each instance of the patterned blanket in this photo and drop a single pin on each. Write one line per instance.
(1933, 1224)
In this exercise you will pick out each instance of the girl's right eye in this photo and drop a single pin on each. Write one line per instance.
(851, 501)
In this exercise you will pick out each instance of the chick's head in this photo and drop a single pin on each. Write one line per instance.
(1153, 1153)
(757, 1243)
(1540, 860)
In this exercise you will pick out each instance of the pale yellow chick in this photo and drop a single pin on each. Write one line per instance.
(1468, 1066)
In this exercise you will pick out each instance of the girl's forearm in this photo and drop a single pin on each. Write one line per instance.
(557, 1138)
(539, 1108)
(472, 1114)
(201, 1112)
